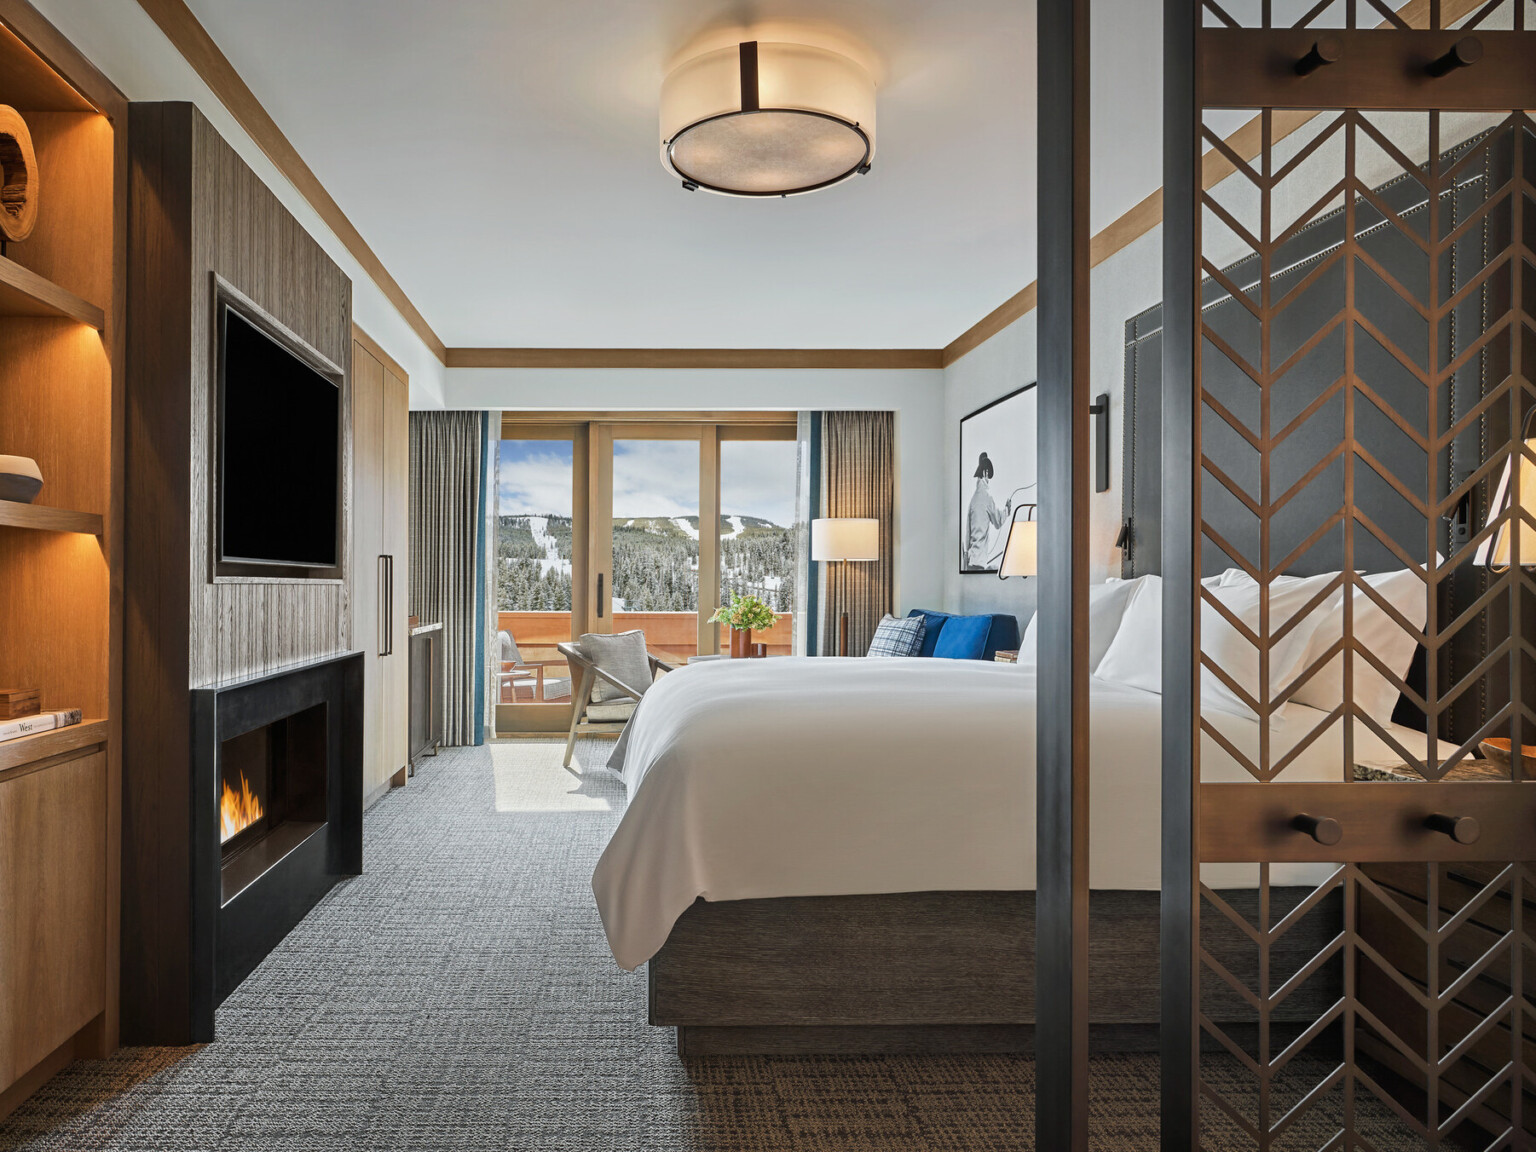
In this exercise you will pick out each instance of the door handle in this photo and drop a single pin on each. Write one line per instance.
(381, 612)
(389, 618)
(1462, 829)
(1324, 829)
(599, 595)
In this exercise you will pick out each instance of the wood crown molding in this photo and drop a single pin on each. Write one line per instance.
(192, 40)
(885, 358)
(1246, 142)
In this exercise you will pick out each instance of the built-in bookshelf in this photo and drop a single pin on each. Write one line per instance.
(62, 313)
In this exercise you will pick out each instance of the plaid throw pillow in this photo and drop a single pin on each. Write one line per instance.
(898, 637)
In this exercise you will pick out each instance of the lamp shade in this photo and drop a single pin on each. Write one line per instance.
(845, 538)
(1498, 550)
(765, 119)
(1021, 555)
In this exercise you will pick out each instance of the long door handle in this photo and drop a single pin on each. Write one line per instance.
(382, 623)
(599, 595)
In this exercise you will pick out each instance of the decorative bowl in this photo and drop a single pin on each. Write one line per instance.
(1497, 751)
(20, 479)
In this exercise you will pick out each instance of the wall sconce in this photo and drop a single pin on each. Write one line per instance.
(845, 538)
(1021, 553)
(1100, 411)
(1497, 551)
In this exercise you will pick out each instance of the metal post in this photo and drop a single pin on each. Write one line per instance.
(1065, 397)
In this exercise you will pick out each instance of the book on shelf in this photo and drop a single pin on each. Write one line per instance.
(1006, 656)
(42, 722)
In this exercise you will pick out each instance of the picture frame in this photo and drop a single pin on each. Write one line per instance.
(998, 471)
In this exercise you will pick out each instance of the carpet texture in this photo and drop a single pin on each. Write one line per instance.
(459, 995)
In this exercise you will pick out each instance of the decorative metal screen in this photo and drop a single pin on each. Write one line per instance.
(1363, 345)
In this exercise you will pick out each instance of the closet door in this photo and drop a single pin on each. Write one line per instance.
(395, 514)
(367, 549)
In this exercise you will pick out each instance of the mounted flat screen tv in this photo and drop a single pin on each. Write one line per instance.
(279, 452)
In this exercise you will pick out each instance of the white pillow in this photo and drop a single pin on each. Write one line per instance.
(1235, 654)
(1106, 606)
(1135, 656)
(1374, 630)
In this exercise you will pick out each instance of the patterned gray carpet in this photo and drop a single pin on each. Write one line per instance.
(459, 995)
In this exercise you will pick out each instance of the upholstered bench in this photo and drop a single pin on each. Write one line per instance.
(953, 637)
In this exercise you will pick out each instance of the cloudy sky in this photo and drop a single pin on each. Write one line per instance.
(654, 478)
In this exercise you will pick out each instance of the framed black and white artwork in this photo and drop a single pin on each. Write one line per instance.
(997, 474)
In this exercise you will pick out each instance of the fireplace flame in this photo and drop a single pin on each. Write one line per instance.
(238, 812)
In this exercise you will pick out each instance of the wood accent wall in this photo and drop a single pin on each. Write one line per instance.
(197, 213)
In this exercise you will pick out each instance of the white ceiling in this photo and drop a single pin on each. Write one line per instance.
(501, 158)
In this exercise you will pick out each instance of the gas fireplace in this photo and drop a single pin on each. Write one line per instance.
(277, 815)
(272, 792)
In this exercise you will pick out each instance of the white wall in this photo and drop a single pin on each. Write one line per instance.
(120, 39)
(916, 396)
(1127, 283)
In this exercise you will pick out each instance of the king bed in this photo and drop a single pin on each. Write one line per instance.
(825, 855)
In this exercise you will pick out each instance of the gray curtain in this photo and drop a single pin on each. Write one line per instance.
(447, 533)
(858, 478)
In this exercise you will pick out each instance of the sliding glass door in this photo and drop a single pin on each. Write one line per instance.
(635, 523)
(540, 558)
(653, 519)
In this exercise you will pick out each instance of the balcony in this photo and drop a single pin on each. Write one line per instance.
(672, 636)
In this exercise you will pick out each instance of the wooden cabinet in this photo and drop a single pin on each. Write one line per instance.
(53, 836)
(380, 569)
(61, 377)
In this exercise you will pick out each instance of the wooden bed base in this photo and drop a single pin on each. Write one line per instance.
(943, 972)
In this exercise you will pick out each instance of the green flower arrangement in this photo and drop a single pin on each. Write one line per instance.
(745, 612)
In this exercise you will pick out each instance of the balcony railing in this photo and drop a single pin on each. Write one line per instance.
(673, 636)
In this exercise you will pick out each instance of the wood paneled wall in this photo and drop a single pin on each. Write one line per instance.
(198, 216)
(243, 235)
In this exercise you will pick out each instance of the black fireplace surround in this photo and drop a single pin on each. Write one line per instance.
(288, 750)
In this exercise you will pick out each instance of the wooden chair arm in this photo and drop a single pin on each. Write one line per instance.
(659, 665)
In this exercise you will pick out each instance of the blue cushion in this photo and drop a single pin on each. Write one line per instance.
(1003, 631)
(933, 624)
(963, 638)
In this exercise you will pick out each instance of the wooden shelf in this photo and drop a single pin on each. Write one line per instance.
(15, 515)
(26, 750)
(25, 293)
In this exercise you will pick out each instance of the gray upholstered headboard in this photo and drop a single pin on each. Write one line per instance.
(1315, 274)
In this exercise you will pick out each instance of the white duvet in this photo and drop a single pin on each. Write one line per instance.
(822, 776)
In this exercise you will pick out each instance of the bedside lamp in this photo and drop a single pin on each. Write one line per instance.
(1496, 551)
(845, 539)
(1021, 554)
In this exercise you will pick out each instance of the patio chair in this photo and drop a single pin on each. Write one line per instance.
(615, 700)
(515, 673)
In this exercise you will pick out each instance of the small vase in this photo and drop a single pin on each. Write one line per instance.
(741, 643)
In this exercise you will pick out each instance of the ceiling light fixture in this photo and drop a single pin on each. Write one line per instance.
(767, 120)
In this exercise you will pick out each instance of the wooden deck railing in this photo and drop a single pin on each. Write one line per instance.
(670, 635)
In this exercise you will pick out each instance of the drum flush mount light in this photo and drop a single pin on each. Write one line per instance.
(767, 120)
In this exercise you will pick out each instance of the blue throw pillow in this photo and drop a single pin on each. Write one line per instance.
(963, 638)
(933, 624)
